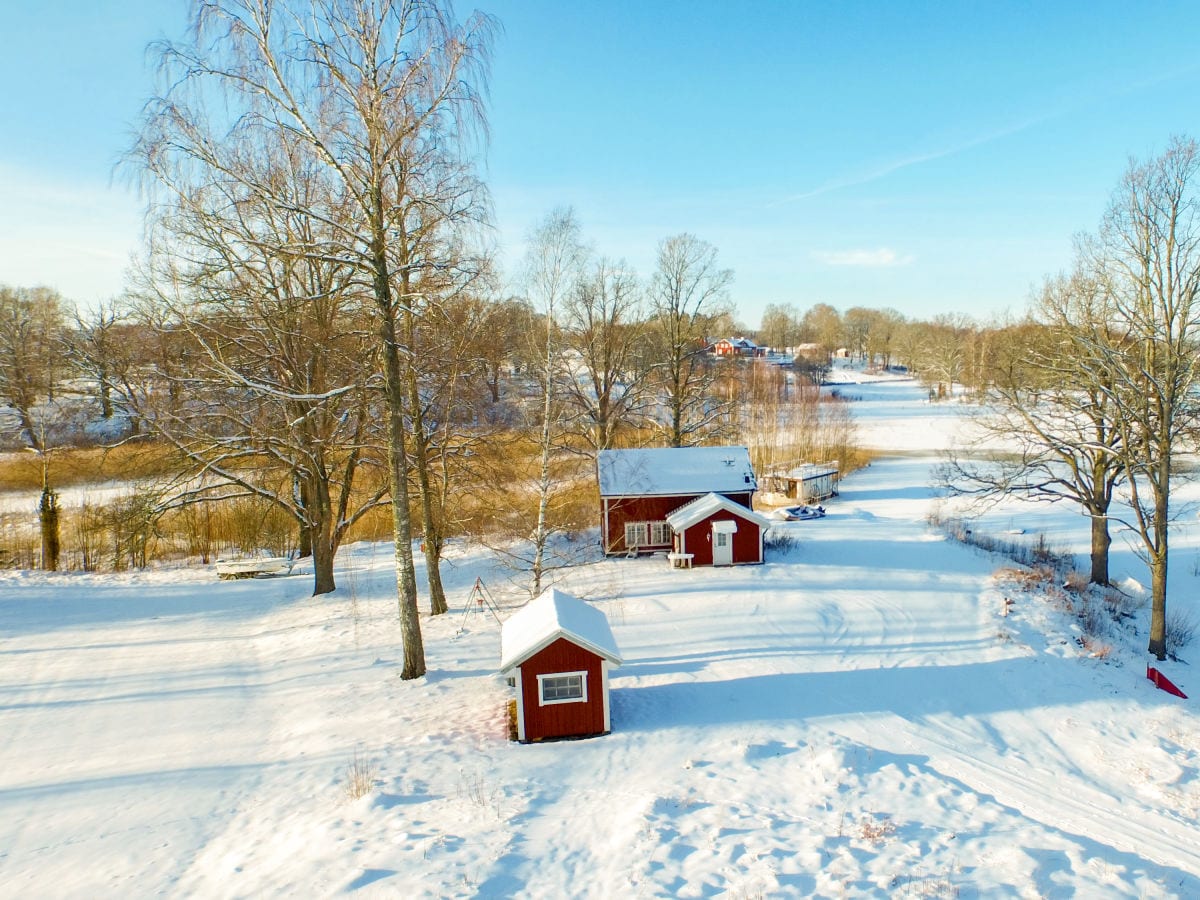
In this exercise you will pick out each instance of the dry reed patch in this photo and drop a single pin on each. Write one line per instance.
(73, 466)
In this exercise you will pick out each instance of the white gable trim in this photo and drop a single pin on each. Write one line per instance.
(534, 650)
(703, 507)
(555, 614)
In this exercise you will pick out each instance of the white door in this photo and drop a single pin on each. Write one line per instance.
(722, 542)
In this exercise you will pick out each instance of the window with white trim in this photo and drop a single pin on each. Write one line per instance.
(562, 687)
(647, 534)
(635, 534)
(660, 533)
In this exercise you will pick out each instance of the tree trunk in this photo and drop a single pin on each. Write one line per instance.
(1158, 579)
(677, 411)
(431, 544)
(305, 544)
(541, 530)
(323, 553)
(105, 391)
(406, 576)
(48, 516)
(1101, 541)
(26, 419)
(1158, 608)
(322, 543)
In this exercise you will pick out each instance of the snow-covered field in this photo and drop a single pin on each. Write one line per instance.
(854, 718)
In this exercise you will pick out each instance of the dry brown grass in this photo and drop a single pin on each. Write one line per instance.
(1025, 578)
(1076, 581)
(70, 467)
(1096, 648)
(361, 777)
(876, 831)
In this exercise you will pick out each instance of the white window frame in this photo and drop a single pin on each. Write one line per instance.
(660, 534)
(636, 530)
(583, 679)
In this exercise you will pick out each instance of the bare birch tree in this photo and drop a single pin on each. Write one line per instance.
(604, 331)
(383, 98)
(688, 290)
(553, 265)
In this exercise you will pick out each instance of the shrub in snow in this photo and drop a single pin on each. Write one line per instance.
(1076, 581)
(361, 776)
(780, 540)
(1121, 605)
(1040, 554)
(1095, 648)
(1180, 630)
(1093, 618)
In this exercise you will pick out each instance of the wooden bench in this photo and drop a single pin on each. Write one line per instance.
(680, 560)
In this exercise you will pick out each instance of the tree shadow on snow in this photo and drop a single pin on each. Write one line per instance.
(910, 691)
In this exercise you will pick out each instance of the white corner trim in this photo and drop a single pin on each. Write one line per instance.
(604, 690)
(520, 708)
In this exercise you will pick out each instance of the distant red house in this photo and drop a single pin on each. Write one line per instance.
(715, 531)
(560, 649)
(640, 488)
(738, 346)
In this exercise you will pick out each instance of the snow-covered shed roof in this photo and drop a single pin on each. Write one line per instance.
(553, 615)
(811, 470)
(674, 470)
(702, 507)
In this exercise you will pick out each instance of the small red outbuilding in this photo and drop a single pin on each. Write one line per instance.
(715, 531)
(560, 648)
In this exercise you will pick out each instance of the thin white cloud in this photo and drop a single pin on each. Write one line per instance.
(886, 169)
(882, 258)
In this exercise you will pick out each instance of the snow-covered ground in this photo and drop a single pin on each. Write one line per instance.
(854, 718)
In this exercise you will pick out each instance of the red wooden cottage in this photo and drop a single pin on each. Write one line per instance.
(640, 488)
(715, 531)
(560, 648)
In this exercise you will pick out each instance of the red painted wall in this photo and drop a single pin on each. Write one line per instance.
(644, 509)
(562, 719)
(746, 543)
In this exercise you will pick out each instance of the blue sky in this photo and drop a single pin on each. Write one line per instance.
(932, 157)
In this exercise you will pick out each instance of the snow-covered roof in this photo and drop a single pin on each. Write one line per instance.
(553, 615)
(674, 470)
(811, 470)
(703, 507)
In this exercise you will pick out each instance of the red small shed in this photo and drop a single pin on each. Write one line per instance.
(715, 531)
(560, 648)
